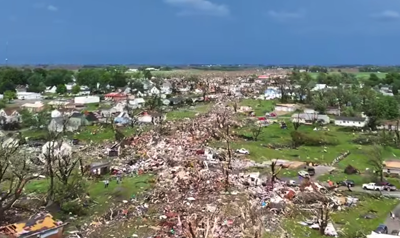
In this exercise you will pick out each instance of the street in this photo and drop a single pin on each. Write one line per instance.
(393, 194)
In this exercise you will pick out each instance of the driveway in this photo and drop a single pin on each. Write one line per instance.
(321, 170)
(393, 224)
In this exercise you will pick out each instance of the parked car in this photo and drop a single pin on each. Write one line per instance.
(372, 186)
(243, 151)
(395, 233)
(382, 229)
(387, 186)
(346, 182)
(311, 171)
(304, 173)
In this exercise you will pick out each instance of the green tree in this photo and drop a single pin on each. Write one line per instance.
(28, 119)
(147, 74)
(36, 83)
(89, 77)
(56, 77)
(154, 102)
(2, 104)
(61, 89)
(10, 95)
(384, 107)
(76, 89)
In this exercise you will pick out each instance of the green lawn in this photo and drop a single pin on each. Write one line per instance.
(276, 136)
(99, 134)
(182, 113)
(348, 222)
(103, 197)
(273, 135)
(260, 107)
(93, 133)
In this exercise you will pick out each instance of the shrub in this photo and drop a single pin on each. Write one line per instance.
(74, 207)
(365, 140)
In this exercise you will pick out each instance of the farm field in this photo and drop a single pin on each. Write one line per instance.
(358, 75)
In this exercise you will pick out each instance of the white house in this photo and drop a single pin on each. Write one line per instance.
(51, 89)
(319, 87)
(29, 96)
(272, 93)
(166, 88)
(351, 121)
(86, 99)
(137, 102)
(154, 91)
(56, 114)
(309, 118)
(286, 107)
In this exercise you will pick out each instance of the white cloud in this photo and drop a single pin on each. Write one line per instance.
(52, 8)
(386, 15)
(283, 15)
(199, 7)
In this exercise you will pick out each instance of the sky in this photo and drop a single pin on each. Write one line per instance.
(314, 32)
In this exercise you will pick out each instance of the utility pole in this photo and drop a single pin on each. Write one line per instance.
(6, 53)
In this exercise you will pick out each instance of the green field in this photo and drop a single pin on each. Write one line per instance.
(358, 75)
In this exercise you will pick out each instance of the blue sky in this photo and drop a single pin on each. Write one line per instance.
(200, 31)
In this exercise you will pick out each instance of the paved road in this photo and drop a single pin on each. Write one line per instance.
(392, 224)
(393, 194)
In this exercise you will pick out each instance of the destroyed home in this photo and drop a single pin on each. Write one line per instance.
(41, 225)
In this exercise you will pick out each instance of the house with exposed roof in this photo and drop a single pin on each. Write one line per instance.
(34, 107)
(391, 166)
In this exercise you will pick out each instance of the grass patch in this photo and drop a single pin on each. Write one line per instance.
(349, 222)
(260, 107)
(99, 133)
(274, 135)
(190, 112)
(35, 134)
(103, 197)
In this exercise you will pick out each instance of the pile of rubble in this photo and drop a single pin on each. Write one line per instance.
(201, 194)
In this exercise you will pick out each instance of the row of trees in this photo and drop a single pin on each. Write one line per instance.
(344, 93)
(38, 79)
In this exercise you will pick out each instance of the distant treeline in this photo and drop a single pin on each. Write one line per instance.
(232, 67)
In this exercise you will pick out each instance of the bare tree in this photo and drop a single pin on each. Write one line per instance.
(256, 129)
(274, 171)
(375, 159)
(296, 122)
(284, 88)
(15, 173)
(323, 218)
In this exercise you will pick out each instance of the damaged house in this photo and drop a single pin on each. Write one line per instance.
(9, 121)
(41, 225)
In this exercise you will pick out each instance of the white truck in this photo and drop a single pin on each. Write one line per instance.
(373, 186)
